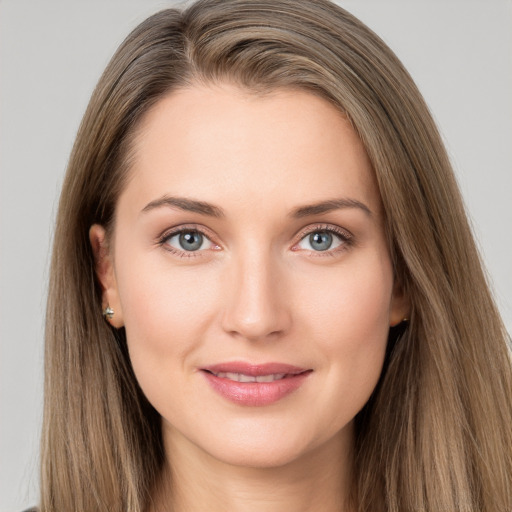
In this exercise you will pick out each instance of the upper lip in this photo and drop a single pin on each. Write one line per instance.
(254, 370)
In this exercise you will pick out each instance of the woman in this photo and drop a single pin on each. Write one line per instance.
(264, 291)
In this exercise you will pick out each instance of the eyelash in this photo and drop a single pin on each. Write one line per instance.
(347, 239)
(165, 237)
(345, 236)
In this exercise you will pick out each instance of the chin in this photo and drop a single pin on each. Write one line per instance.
(261, 457)
(266, 447)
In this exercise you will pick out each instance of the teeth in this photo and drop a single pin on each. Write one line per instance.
(240, 377)
(270, 378)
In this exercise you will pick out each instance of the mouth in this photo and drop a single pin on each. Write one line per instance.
(241, 377)
(255, 385)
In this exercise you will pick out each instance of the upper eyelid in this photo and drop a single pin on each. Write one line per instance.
(324, 227)
(170, 232)
(302, 232)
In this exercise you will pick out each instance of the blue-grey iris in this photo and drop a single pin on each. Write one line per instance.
(320, 240)
(191, 240)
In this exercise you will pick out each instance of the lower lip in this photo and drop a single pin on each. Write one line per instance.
(255, 393)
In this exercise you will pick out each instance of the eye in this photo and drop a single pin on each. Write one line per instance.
(323, 240)
(187, 240)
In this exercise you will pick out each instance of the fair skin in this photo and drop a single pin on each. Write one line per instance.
(256, 278)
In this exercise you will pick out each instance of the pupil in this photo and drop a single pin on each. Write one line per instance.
(191, 241)
(320, 241)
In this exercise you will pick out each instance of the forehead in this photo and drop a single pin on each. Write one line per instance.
(223, 144)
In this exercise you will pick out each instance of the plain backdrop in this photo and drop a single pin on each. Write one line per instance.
(51, 55)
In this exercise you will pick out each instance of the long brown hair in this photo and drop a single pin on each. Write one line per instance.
(436, 434)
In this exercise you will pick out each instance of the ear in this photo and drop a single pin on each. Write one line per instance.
(104, 266)
(400, 307)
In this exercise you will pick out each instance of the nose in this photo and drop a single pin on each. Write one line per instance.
(256, 308)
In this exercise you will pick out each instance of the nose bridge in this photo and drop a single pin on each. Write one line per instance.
(255, 308)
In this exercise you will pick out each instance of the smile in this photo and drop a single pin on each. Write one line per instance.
(255, 385)
(240, 377)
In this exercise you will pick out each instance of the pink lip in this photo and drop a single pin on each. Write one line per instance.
(255, 393)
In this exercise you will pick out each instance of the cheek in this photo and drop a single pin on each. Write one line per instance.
(365, 329)
(165, 313)
(351, 303)
(350, 323)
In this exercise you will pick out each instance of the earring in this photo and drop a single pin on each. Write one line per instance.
(108, 312)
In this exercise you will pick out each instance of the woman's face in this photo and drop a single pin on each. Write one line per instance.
(249, 267)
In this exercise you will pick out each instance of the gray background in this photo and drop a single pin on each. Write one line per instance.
(51, 55)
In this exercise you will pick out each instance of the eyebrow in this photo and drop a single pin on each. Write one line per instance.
(329, 206)
(204, 208)
(185, 204)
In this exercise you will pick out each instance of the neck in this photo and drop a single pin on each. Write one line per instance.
(317, 480)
